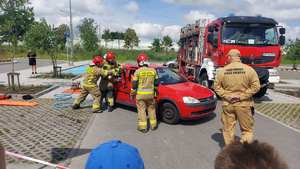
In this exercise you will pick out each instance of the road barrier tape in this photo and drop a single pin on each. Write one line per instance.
(292, 70)
(35, 160)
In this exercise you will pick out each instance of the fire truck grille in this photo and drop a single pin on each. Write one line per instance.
(257, 60)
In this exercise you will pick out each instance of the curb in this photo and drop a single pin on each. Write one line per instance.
(77, 77)
(4, 63)
(286, 95)
(34, 95)
(46, 91)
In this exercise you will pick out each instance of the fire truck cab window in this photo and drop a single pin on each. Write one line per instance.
(216, 36)
(247, 34)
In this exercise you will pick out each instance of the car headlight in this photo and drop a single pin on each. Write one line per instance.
(190, 100)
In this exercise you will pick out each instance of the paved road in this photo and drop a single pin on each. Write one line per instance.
(189, 144)
(23, 64)
(293, 75)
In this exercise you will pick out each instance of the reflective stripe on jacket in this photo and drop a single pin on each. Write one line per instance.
(92, 75)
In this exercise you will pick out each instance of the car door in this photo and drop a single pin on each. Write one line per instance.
(123, 89)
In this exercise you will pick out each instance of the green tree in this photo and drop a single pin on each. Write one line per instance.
(61, 35)
(131, 39)
(293, 50)
(88, 34)
(167, 42)
(117, 35)
(43, 38)
(156, 45)
(15, 19)
(106, 36)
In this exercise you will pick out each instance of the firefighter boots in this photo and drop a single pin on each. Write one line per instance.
(154, 128)
(76, 106)
(110, 108)
(142, 130)
(97, 111)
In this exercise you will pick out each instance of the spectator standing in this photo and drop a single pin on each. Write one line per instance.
(236, 83)
(32, 61)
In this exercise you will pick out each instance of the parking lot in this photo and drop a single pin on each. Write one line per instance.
(188, 144)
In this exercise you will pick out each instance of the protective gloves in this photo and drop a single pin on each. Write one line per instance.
(132, 98)
(115, 72)
(156, 93)
(119, 70)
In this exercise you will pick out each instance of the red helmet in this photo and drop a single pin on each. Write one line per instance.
(110, 57)
(97, 60)
(142, 59)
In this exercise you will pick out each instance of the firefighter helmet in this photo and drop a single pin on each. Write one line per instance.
(97, 60)
(142, 60)
(110, 57)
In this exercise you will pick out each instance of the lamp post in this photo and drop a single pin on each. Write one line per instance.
(71, 33)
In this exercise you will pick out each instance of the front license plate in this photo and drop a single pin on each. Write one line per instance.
(209, 106)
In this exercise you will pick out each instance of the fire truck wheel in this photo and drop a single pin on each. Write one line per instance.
(261, 92)
(204, 80)
(169, 113)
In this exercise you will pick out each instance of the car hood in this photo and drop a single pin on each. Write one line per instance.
(187, 89)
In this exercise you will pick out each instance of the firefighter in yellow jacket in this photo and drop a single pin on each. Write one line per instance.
(144, 86)
(92, 75)
(236, 83)
(108, 64)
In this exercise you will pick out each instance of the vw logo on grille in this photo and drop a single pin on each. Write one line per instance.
(251, 56)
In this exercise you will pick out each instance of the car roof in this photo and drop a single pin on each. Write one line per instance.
(136, 66)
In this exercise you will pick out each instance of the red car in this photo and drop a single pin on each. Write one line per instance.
(178, 98)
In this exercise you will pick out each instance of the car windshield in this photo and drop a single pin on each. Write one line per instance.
(168, 76)
(249, 34)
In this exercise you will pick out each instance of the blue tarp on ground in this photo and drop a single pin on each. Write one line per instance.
(80, 69)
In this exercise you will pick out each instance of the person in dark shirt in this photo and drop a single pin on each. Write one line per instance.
(32, 61)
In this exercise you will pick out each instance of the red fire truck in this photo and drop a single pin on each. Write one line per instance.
(204, 45)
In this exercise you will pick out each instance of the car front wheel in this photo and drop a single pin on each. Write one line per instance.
(169, 113)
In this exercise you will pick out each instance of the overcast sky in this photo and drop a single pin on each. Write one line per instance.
(157, 18)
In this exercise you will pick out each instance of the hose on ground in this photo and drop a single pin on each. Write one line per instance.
(64, 97)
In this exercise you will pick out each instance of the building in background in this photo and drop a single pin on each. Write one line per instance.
(118, 44)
